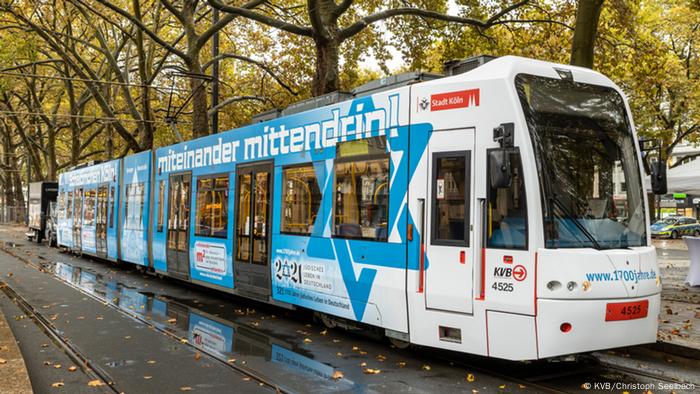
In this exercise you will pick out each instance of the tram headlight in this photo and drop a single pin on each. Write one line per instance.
(553, 285)
(571, 286)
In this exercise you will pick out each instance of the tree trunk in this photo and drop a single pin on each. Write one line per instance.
(146, 135)
(326, 79)
(109, 145)
(585, 32)
(8, 168)
(51, 163)
(200, 120)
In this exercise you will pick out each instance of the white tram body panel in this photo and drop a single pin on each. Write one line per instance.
(526, 321)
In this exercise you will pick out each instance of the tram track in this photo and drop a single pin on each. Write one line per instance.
(644, 373)
(97, 372)
(94, 371)
(588, 368)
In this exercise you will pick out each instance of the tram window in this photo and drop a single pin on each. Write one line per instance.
(61, 213)
(507, 210)
(212, 207)
(89, 208)
(161, 204)
(133, 209)
(361, 204)
(450, 188)
(111, 207)
(69, 205)
(301, 199)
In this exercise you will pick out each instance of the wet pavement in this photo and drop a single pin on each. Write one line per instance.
(159, 335)
(679, 323)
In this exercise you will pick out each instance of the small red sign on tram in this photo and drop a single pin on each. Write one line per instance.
(626, 310)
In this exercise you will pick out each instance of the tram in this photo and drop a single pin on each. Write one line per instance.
(497, 212)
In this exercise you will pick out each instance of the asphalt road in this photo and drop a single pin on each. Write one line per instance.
(153, 335)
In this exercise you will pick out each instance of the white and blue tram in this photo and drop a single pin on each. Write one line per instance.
(497, 212)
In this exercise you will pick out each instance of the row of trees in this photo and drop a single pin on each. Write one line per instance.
(97, 79)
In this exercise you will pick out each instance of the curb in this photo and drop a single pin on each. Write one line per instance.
(676, 350)
(13, 371)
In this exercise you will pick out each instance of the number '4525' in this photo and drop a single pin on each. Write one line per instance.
(502, 286)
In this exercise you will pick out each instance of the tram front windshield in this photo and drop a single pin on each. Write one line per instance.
(590, 181)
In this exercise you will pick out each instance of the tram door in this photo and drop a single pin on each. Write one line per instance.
(252, 241)
(101, 221)
(77, 219)
(449, 240)
(178, 242)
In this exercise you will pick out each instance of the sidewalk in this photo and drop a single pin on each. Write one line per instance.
(13, 372)
(679, 321)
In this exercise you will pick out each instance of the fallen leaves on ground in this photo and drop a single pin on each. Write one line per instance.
(324, 332)
(470, 377)
(151, 362)
(95, 383)
(100, 318)
(3, 361)
(185, 388)
(307, 340)
(57, 384)
(231, 360)
(172, 321)
(503, 386)
(197, 356)
(401, 364)
(337, 375)
(339, 354)
(371, 371)
(57, 366)
(147, 377)
(183, 340)
(426, 367)
(72, 368)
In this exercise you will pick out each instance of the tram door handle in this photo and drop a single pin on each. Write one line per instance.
(421, 273)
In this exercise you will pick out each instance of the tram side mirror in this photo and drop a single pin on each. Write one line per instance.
(504, 135)
(500, 168)
(499, 159)
(659, 184)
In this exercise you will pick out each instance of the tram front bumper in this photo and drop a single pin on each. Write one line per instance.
(576, 326)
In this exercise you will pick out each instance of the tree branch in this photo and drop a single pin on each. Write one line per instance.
(261, 18)
(236, 99)
(204, 37)
(262, 65)
(145, 29)
(361, 24)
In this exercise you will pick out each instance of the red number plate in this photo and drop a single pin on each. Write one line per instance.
(626, 310)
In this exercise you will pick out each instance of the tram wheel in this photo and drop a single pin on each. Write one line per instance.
(328, 321)
(399, 343)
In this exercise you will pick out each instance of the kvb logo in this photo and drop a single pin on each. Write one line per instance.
(518, 272)
(502, 272)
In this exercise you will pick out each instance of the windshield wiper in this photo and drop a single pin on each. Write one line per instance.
(578, 224)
